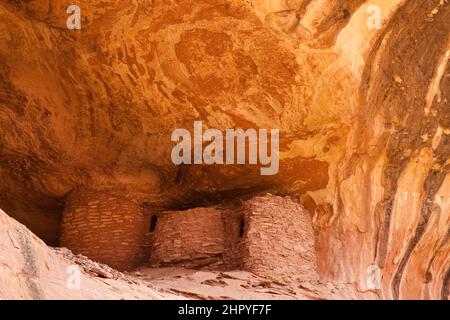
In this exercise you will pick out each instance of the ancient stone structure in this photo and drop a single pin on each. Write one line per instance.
(278, 241)
(270, 236)
(105, 228)
(44, 275)
(189, 238)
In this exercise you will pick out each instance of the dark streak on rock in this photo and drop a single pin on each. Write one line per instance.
(26, 247)
(446, 286)
(431, 186)
(10, 97)
(409, 47)
(335, 20)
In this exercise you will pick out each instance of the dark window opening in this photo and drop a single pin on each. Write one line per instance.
(241, 228)
(153, 221)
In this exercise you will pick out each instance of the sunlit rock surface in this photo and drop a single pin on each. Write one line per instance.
(31, 270)
(364, 118)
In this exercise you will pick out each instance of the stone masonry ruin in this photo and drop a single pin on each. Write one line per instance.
(270, 236)
(105, 228)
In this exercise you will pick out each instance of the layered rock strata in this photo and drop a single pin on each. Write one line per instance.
(363, 113)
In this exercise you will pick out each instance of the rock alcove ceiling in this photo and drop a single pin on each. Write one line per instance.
(363, 113)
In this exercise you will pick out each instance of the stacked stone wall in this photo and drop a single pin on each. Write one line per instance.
(190, 238)
(279, 239)
(105, 228)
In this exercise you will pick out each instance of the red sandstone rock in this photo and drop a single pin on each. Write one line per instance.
(363, 117)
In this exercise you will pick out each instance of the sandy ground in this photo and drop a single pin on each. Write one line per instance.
(198, 284)
(238, 285)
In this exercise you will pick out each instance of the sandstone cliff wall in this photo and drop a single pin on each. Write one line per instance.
(362, 112)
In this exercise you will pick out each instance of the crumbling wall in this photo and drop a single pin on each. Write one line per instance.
(278, 239)
(105, 228)
(191, 238)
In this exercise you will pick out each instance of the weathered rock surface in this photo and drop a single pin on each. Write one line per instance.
(364, 118)
(31, 270)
